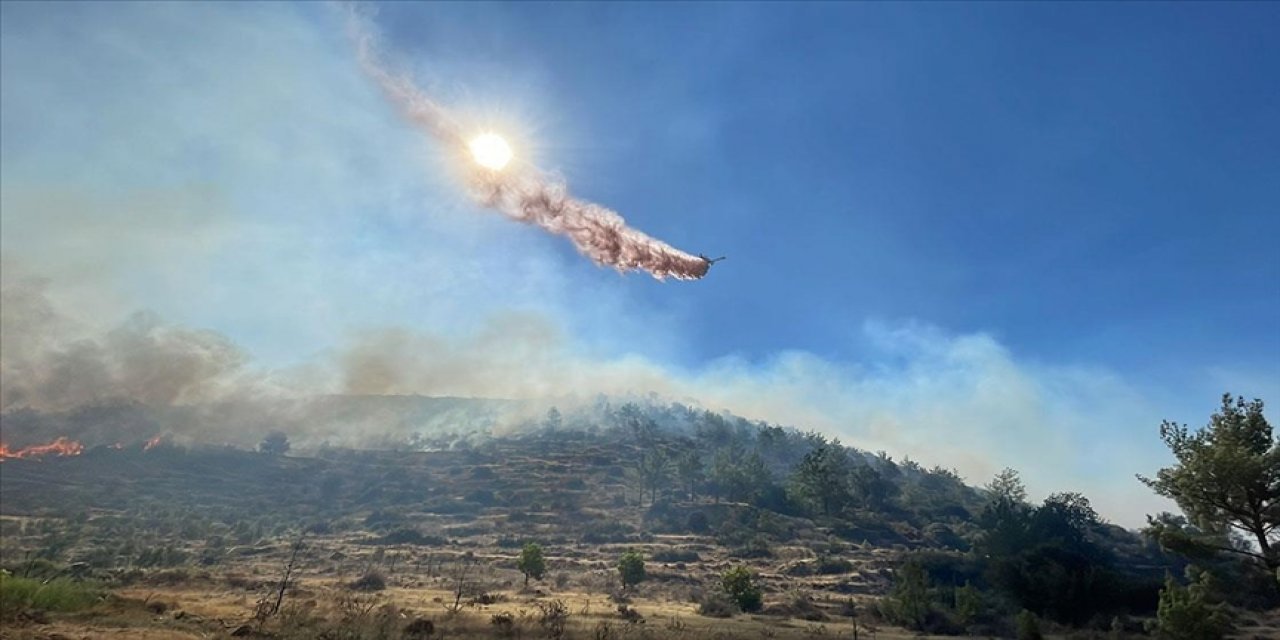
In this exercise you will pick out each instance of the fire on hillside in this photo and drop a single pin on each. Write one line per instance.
(61, 446)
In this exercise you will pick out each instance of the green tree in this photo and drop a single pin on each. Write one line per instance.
(1227, 478)
(821, 477)
(739, 476)
(740, 584)
(713, 430)
(1006, 527)
(871, 488)
(1007, 485)
(1043, 558)
(1072, 508)
(631, 569)
(909, 600)
(689, 468)
(1185, 613)
(723, 469)
(754, 478)
(531, 562)
(653, 466)
(641, 427)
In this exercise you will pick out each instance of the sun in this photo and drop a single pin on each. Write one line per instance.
(491, 151)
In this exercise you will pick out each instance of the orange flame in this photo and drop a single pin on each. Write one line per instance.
(62, 446)
(153, 443)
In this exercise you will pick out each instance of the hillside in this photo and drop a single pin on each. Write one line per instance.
(696, 493)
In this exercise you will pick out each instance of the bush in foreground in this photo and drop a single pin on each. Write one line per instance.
(19, 594)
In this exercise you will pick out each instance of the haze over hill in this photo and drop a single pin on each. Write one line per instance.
(959, 402)
(293, 238)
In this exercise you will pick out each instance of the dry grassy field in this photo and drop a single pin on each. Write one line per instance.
(197, 543)
(162, 541)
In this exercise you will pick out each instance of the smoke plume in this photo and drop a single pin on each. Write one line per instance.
(50, 364)
(525, 193)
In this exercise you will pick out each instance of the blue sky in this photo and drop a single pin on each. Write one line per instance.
(1088, 182)
(965, 233)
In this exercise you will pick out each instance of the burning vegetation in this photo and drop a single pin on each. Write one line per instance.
(61, 446)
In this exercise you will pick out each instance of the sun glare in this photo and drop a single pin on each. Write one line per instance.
(491, 151)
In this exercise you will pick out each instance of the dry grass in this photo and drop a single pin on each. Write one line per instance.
(255, 511)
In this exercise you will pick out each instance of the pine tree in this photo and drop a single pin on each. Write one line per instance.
(1227, 479)
(1185, 613)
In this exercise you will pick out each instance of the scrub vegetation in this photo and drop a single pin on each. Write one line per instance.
(631, 520)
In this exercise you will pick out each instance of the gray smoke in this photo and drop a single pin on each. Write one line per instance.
(50, 364)
(145, 378)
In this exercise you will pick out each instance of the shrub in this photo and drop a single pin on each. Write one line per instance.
(171, 577)
(800, 569)
(969, 605)
(1028, 626)
(1185, 613)
(677, 555)
(697, 522)
(40, 568)
(504, 624)
(799, 606)
(756, 547)
(717, 605)
(406, 535)
(18, 594)
(371, 581)
(828, 565)
(739, 584)
(166, 556)
(552, 617)
(629, 614)
(321, 527)
(940, 535)
(608, 532)
(483, 497)
(380, 518)
(419, 628)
